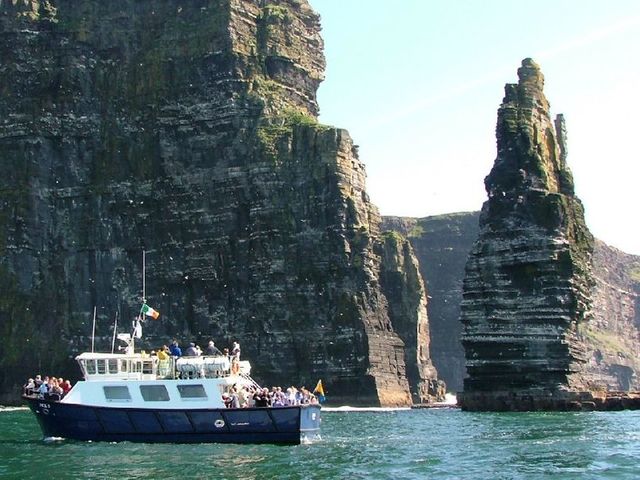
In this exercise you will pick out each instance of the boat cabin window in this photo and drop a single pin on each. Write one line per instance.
(90, 366)
(135, 367)
(147, 366)
(117, 393)
(154, 393)
(113, 365)
(192, 391)
(101, 366)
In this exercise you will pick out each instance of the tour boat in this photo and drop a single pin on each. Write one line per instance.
(137, 397)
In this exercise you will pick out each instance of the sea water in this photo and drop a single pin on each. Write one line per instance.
(386, 444)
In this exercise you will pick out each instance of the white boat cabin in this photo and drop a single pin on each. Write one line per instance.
(140, 380)
(140, 366)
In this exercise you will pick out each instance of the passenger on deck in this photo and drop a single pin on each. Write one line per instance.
(291, 395)
(278, 398)
(191, 351)
(61, 384)
(29, 387)
(234, 399)
(43, 389)
(212, 349)
(235, 366)
(262, 398)
(243, 395)
(235, 351)
(38, 381)
(66, 386)
(175, 349)
(54, 387)
(250, 392)
(163, 353)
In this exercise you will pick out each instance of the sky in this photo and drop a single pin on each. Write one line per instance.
(417, 83)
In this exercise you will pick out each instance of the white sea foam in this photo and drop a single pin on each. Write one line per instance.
(12, 409)
(450, 400)
(346, 408)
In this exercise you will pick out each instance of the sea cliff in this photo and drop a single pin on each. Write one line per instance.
(188, 130)
(442, 244)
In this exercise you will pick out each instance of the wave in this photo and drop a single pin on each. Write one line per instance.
(449, 401)
(12, 409)
(347, 408)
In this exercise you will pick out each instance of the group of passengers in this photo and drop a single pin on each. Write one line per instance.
(194, 350)
(254, 396)
(47, 387)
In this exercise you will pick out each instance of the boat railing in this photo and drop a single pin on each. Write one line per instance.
(202, 367)
(249, 379)
(34, 392)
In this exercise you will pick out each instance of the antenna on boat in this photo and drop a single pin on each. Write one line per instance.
(144, 285)
(93, 331)
(115, 331)
(137, 323)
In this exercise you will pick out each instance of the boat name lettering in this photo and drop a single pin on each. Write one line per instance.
(44, 405)
(240, 424)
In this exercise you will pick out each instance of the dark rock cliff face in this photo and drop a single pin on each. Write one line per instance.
(612, 337)
(442, 244)
(188, 129)
(402, 283)
(528, 278)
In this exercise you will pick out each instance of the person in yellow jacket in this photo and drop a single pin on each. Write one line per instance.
(163, 353)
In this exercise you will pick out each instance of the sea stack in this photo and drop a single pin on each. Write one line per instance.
(528, 277)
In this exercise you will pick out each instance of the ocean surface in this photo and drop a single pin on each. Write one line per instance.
(392, 444)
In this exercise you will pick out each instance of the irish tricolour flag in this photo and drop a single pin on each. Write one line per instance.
(150, 312)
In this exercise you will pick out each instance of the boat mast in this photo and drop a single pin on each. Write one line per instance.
(115, 331)
(93, 330)
(137, 327)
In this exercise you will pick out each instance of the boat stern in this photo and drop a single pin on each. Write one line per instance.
(310, 423)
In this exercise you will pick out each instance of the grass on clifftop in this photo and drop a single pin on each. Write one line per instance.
(276, 127)
(607, 342)
(634, 273)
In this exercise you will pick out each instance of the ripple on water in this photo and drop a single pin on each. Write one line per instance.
(414, 444)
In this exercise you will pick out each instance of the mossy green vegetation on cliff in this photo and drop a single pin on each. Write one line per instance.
(188, 129)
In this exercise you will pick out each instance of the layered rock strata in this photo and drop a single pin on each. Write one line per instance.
(402, 283)
(442, 244)
(612, 338)
(188, 129)
(528, 278)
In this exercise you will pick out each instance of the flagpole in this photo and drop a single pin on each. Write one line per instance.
(93, 330)
(144, 286)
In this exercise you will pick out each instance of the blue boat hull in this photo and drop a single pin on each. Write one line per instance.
(285, 425)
